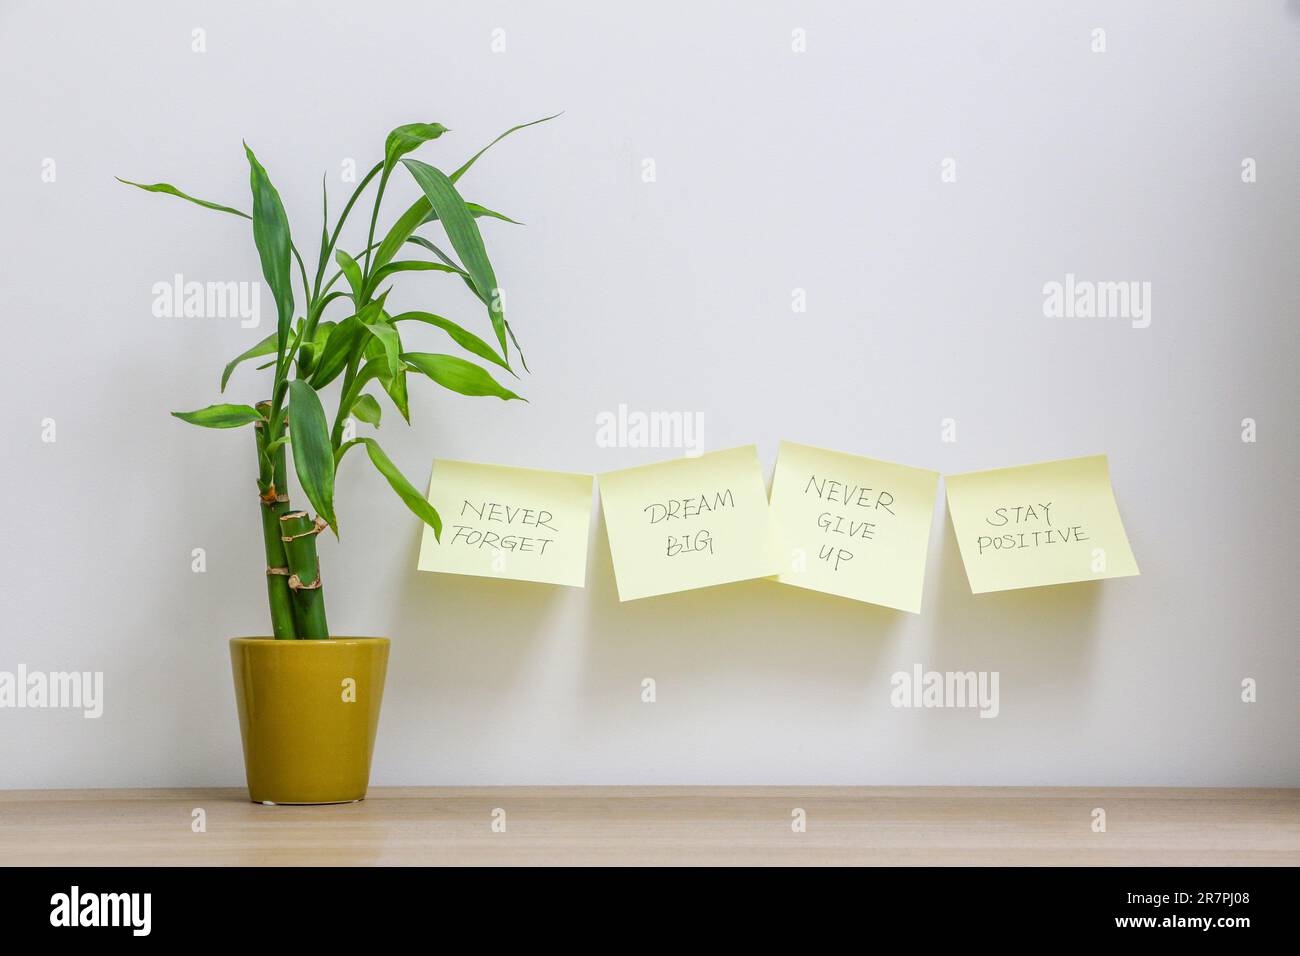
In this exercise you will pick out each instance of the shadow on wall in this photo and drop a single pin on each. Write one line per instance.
(483, 629)
(488, 641)
(757, 633)
(762, 637)
(1042, 640)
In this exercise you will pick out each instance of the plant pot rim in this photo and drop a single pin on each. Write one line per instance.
(329, 642)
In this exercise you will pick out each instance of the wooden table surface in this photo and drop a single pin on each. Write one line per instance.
(656, 825)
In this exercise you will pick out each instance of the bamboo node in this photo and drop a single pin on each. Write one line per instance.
(271, 497)
(317, 528)
(296, 584)
(271, 571)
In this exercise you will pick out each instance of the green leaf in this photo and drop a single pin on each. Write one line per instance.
(395, 388)
(221, 416)
(394, 385)
(338, 226)
(171, 190)
(367, 372)
(267, 346)
(351, 272)
(400, 231)
(378, 368)
(271, 234)
(411, 265)
(462, 337)
(446, 259)
(514, 129)
(407, 265)
(338, 347)
(387, 336)
(313, 455)
(465, 238)
(479, 212)
(309, 351)
(405, 490)
(322, 334)
(422, 211)
(456, 374)
(366, 409)
(294, 346)
(319, 308)
(406, 138)
(419, 213)
(522, 361)
(324, 227)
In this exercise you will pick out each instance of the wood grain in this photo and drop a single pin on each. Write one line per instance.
(658, 825)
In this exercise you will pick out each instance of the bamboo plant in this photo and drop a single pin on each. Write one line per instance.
(308, 352)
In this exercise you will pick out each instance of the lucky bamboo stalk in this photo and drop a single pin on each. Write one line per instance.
(274, 503)
(298, 533)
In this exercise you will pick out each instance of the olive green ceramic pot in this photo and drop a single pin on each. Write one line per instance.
(308, 714)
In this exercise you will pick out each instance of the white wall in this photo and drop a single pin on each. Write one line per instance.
(776, 171)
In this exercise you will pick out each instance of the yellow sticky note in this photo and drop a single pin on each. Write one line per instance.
(1034, 525)
(853, 526)
(502, 522)
(688, 523)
